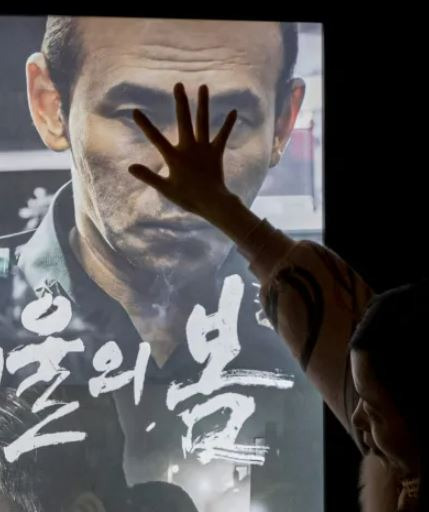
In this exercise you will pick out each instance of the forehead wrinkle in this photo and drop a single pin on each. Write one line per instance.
(97, 79)
(109, 61)
(194, 54)
(156, 35)
(179, 61)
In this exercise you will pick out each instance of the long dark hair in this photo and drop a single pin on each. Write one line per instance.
(394, 332)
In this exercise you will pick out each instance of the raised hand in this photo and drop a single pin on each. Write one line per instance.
(196, 179)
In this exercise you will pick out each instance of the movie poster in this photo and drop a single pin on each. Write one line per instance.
(138, 369)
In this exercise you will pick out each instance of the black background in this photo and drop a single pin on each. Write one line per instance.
(375, 185)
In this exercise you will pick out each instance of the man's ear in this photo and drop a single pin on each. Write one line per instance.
(286, 118)
(45, 104)
(87, 502)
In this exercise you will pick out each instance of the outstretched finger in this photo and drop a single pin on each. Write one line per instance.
(183, 112)
(222, 137)
(152, 133)
(202, 132)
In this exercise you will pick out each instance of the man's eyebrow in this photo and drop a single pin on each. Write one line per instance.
(128, 92)
(240, 99)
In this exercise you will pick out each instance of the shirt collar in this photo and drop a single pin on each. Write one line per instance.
(47, 261)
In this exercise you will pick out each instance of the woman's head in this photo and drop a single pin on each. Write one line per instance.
(388, 367)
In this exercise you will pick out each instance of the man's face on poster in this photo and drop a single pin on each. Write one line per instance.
(135, 63)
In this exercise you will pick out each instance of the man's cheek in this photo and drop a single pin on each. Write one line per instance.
(245, 173)
(109, 158)
(105, 136)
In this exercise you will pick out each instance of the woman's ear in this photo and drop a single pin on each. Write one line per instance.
(44, 102)
(286, 118)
